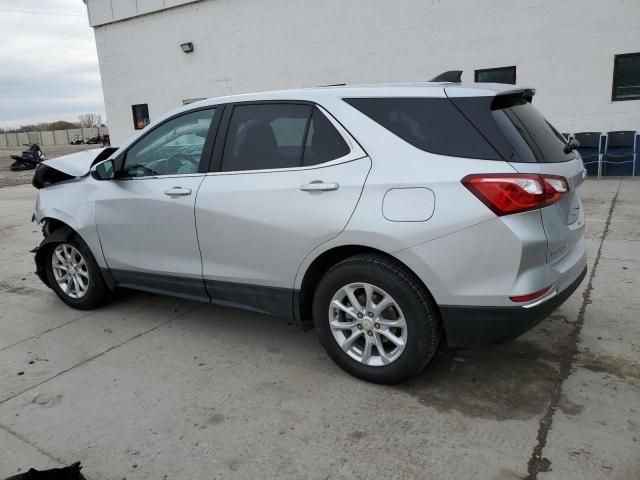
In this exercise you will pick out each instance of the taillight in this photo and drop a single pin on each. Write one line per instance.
(508, 193)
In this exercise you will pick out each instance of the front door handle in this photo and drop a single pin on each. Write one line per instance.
(319, 186)
(178, 192)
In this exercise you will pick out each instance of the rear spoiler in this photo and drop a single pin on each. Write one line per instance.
(527, 93)
(504, 99)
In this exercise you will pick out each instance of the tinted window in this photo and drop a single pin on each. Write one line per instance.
(626, 77)
(324, 143)
(266, 136)
(515, 128)
(496, 75)
(430, 124)
(174, 147)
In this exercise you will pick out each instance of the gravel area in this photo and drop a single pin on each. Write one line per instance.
(9, 178)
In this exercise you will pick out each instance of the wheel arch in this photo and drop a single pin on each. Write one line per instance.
(57, 231)
(327, 259)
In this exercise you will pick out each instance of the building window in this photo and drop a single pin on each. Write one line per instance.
(496, 75)
(140, 116)
(626, 77)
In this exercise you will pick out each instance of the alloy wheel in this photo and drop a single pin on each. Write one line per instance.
(368, 324)
(70, 270)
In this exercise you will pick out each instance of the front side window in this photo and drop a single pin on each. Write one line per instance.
(175, 147)
(267, 136)
(626, 77)
(496, 75)
(140, 116)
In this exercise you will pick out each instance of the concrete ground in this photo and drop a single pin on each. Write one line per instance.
(154, 387)
(8, 178)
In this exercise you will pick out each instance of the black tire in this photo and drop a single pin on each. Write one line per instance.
(97, 292)
(420, 313)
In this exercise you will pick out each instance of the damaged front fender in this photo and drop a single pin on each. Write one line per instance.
(60, 235)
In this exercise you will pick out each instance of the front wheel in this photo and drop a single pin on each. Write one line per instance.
(375, 319)
(74, 274)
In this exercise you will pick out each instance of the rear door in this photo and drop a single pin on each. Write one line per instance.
(530, 144)
(287, 179)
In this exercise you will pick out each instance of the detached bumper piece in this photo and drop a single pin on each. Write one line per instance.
(467, 326)
(72, 472)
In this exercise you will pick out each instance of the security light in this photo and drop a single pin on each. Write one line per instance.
(187, 47)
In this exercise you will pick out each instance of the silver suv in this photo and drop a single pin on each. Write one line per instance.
(390, 217)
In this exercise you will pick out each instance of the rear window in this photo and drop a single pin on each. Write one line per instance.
(515, 128)
(434, 125)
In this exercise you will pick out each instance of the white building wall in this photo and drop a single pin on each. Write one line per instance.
(106, 11)
(563, 48)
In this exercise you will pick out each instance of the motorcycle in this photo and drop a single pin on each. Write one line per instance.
(29, 159)
(77, 140)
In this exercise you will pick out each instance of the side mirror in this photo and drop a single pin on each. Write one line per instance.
(104, 170)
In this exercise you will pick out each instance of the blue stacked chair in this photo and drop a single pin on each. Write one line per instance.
(590, 149)
(636, 153)
(619, 154)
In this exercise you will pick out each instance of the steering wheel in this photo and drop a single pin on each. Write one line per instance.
(174, 162)
(146, 170)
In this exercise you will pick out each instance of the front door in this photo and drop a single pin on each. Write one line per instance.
(288, 181)
(145, 217)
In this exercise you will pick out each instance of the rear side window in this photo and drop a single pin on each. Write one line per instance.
(515, 128)
(267, 136)
(431, 124)
(324, 143)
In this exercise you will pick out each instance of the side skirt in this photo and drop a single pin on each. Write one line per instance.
(272, 301)
(283, 303)
(181, 287)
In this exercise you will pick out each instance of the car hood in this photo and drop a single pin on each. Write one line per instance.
(79, 164)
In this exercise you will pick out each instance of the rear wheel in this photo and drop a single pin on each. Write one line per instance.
(375, 319)
(74, 274)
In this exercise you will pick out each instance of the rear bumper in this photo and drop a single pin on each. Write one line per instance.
(467, 326)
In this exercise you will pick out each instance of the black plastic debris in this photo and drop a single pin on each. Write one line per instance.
(72, 472)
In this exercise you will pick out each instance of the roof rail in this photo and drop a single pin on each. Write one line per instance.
(453, 76)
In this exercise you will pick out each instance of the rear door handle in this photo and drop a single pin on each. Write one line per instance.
(319, 186)
(178, 192)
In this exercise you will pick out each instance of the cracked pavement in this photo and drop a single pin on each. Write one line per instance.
(156, 387)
